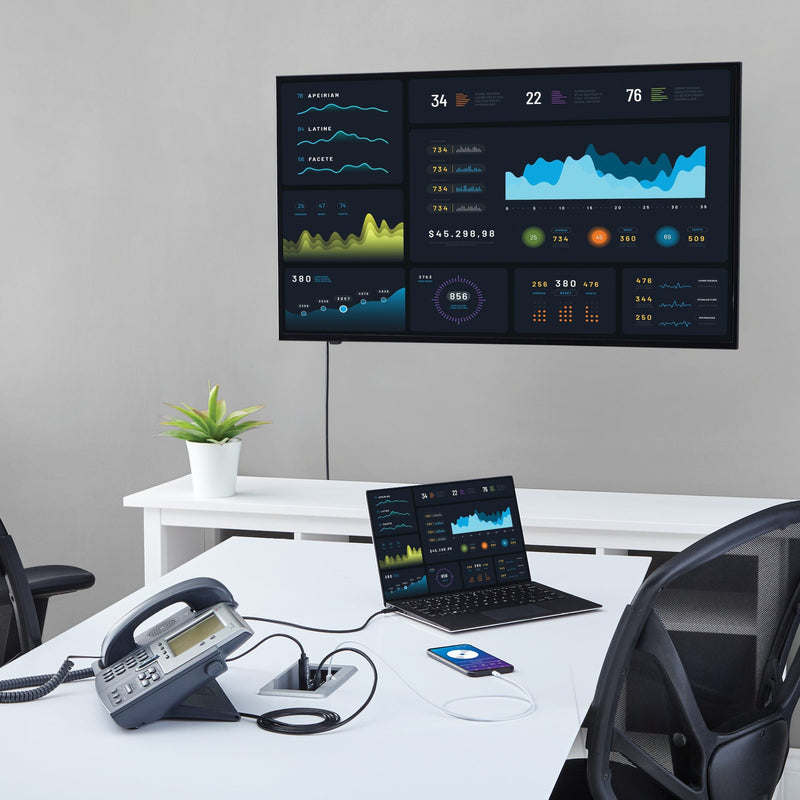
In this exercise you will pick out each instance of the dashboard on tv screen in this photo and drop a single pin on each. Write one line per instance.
(570, 206)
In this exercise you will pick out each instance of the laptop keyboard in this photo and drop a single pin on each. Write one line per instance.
(485, 599)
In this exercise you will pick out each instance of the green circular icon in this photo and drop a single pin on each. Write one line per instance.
(533, 237)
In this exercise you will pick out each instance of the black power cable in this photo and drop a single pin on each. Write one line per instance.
(328, 344)
(260, 642)
(320, 630)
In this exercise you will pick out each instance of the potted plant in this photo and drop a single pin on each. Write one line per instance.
(211, 437)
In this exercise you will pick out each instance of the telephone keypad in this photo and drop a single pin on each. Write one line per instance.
(148, 676)
(136, 660)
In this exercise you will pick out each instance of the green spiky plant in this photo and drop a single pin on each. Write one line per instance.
(213, 424)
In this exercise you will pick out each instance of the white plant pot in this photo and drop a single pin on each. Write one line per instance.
(214, 467)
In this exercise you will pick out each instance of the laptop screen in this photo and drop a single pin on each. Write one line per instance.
(447, 537)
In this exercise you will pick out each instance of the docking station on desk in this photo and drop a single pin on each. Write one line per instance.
(288, 683)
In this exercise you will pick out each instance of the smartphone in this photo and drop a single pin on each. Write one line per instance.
(470, 660)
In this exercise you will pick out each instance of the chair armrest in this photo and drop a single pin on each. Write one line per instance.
(52, 579)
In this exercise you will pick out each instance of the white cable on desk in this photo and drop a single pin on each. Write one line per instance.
(527, 697)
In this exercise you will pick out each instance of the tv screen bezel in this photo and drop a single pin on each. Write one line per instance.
(727, 341)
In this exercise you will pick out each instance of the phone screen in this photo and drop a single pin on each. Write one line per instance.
(470, 660)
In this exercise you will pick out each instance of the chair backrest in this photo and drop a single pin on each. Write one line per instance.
(19, 594)
(696, 693)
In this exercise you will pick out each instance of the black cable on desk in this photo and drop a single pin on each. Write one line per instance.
(260, 642)
(321, 630)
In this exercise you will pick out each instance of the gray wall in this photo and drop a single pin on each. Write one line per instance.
(138, 241)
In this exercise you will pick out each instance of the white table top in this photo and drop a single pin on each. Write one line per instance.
(573, 518)
(398, 746)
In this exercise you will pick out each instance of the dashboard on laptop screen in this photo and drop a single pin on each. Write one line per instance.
(447, 537)
(567, 206)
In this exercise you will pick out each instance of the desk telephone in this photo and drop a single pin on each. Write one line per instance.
(170, 670)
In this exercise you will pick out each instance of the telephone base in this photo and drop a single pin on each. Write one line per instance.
(207, 703)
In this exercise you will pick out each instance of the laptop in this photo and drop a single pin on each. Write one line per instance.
(452, 555)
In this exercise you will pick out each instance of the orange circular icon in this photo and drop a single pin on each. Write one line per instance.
(484, 545)
(599, 236)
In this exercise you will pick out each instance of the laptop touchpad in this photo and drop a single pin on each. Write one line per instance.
(511, 614)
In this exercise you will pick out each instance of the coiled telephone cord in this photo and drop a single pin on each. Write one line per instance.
(37, 686)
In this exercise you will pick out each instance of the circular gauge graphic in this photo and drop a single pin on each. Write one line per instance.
(458, 299)
(599, 236)
(667, 236)
(462, 654)
(533, 236)
(444, 577)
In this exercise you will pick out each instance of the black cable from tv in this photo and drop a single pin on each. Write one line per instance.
(328, 344)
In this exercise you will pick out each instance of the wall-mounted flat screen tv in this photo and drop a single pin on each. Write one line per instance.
(561, 206)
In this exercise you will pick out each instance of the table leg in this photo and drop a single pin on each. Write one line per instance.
(153, 545)
(169, 546)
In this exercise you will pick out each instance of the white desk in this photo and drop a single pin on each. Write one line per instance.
(178, 526)
(66, 745)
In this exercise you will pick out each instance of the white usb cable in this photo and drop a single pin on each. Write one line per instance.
(526, 697)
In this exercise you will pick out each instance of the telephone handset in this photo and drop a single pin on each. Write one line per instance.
(170, 670)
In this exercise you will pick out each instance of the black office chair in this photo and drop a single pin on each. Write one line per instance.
(24, 594)
(698, 687)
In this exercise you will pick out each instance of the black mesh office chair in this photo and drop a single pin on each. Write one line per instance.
(697, 689)
(24, 594)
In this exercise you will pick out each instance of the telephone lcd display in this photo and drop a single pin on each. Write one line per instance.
(197, 633)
